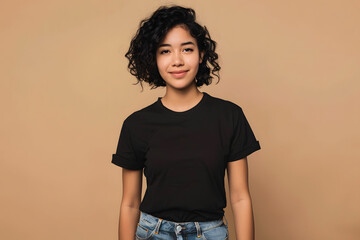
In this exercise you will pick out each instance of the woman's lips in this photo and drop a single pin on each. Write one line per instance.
(179, 74)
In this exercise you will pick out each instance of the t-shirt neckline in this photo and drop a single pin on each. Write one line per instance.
(186, 112)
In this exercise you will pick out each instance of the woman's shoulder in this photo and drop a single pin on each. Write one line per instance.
(142, 114)
(224, 104)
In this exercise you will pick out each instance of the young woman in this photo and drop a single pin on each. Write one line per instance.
(184, 140)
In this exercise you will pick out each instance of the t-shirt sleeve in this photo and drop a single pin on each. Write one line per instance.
(243, 141)
(125, 155)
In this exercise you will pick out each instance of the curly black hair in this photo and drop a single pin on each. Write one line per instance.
(143, 46)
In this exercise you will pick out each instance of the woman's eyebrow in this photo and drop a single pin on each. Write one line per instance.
(169, 45)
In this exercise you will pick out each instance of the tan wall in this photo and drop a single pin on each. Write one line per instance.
(292, 65)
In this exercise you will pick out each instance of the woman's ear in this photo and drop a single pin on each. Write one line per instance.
(201, 56)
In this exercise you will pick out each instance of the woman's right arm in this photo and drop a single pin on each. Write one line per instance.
(131, 199)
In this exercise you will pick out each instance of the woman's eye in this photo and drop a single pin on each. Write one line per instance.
(167, 51)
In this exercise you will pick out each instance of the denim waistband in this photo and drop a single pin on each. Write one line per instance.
(178, 227)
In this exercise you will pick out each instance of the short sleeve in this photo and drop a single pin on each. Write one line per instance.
(243, 141)
(125, 155)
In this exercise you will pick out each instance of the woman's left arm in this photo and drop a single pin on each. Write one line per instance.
(240, 199)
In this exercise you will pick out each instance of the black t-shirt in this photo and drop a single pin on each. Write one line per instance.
(184, 156)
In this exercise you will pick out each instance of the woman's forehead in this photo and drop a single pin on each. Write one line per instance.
(178, 36)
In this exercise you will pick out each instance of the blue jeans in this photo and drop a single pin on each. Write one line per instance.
(151, 227)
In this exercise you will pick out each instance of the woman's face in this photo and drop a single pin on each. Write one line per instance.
(178, 59)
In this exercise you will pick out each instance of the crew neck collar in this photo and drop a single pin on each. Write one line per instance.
(186, 112)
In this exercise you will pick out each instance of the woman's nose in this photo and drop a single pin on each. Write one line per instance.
(178, 59)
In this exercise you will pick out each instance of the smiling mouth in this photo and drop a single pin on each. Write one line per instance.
(178, 74)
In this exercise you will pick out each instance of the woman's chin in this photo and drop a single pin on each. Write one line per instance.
(180, 85)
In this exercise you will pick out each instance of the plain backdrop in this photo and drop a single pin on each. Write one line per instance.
(293, 66)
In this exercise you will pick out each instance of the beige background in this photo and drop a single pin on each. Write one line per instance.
(293, 66)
